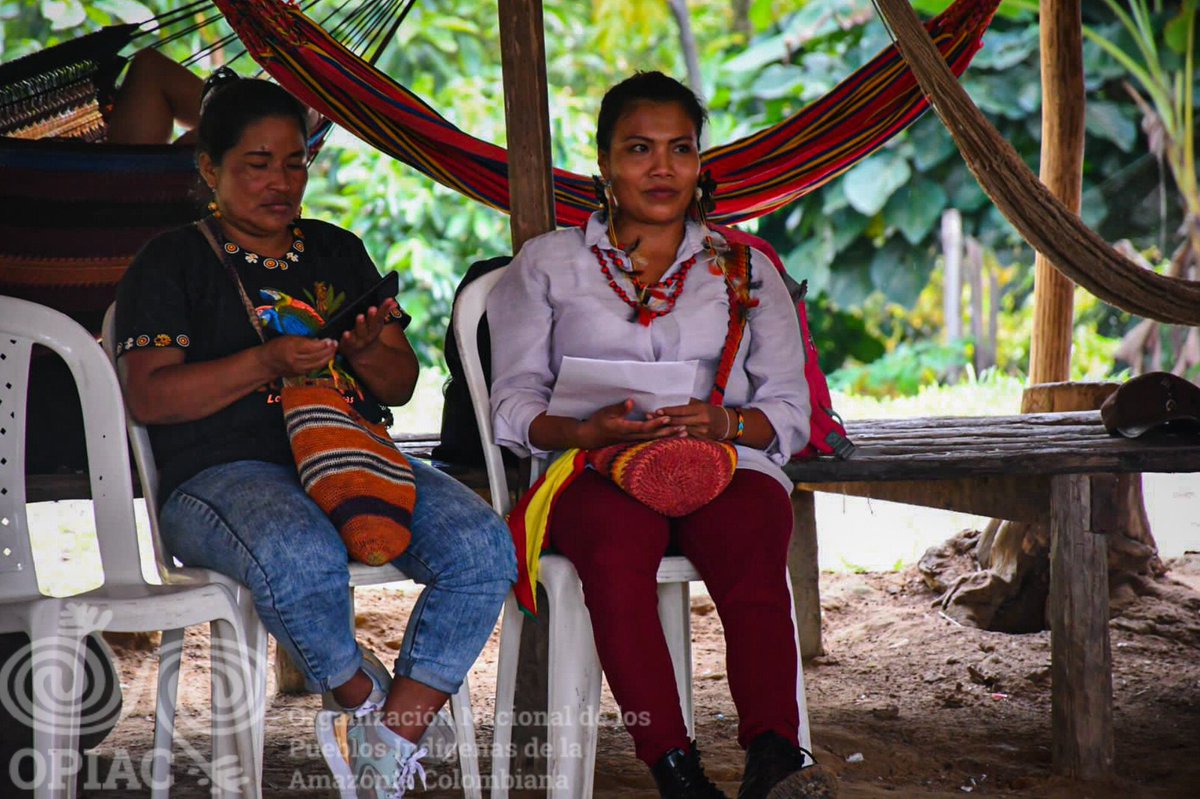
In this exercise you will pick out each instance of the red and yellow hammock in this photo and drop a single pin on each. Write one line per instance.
(755, 175)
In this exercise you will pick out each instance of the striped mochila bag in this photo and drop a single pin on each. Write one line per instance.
(347, 464)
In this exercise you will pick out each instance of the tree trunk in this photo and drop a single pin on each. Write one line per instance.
(1008, 587)
(741, 18)
(691, 55)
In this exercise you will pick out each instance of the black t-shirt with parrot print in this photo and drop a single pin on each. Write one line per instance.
(176, 293)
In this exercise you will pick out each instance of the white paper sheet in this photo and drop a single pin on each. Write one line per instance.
(585, 385)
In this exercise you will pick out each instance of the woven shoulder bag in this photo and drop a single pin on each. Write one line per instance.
(347, 464)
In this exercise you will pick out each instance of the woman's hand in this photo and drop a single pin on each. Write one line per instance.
(699, 419)
(609, 426)
(366, 330)
(291, 356)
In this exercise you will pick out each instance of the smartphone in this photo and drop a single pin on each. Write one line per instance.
(345, 318)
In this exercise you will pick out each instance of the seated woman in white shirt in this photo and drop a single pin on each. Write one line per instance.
(643, 280)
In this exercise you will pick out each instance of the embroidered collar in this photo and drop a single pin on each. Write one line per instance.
(290, 258)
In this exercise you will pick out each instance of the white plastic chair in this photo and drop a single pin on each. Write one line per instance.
(126, 602)
(574, 668)
(257, 637)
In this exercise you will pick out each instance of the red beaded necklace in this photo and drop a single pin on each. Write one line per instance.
(664, 293)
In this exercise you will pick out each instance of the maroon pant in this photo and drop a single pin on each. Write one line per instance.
(738, 543)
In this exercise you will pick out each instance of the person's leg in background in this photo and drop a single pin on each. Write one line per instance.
(156, 95)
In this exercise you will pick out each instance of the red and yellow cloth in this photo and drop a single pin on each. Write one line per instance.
(529, 523)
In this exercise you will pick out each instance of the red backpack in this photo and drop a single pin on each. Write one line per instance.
(828, 433)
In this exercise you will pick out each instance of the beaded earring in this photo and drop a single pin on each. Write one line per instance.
(214, 209)
(608, 204)
(704, 204)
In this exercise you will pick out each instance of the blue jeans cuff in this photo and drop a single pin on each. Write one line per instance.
(339, 677)
(422, 673)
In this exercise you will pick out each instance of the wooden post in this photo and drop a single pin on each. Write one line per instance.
(288, 677)
(952, 254)
(973, 270)
(805, 572)
(1080, 654)
(1063, 105)
(531, 204)
(527, 120)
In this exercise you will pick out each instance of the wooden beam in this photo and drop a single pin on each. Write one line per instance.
(527, 119)
(1080, 655)
(1063, 106)
(1018, 498)
(805, 573)
(531, 203)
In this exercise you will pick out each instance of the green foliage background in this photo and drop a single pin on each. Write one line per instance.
(867, 242)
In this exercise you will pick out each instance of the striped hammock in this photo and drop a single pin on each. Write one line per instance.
(755, 175)
(72, 215)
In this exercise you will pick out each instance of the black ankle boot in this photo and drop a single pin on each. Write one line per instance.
(679, 775)
(776, 769)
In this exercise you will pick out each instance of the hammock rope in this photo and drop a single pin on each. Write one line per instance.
(755, 175)
(1042, 220)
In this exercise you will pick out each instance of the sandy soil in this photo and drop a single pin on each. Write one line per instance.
(904, 703)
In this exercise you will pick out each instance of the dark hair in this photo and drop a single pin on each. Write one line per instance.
(231, 104)
(653, 87)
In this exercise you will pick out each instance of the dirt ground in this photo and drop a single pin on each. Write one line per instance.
(904, 703)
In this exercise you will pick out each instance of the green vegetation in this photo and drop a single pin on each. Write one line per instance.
(867, 242)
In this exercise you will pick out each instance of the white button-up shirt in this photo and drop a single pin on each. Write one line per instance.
(553, 301)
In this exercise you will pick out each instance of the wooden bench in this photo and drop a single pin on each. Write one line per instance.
(1052, 468)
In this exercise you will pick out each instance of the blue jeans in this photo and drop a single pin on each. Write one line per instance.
(252, 521)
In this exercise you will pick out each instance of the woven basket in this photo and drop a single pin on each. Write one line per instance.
(673, 476)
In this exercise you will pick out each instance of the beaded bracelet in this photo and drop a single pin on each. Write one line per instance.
(741, 425)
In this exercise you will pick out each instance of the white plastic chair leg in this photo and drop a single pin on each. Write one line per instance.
(674, 613)
(464, 737)
(805, 732)
(257, 639)
(170, 652)
(57, 662)
(506, 683)
(234, 714)
(574, 684)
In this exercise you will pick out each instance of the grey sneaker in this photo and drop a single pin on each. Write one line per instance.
(331, 728)
(384, 765)
(379, 675)
(440, 741)
(332, 724)
(367, 760)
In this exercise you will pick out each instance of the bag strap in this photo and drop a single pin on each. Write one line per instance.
(737, 287)
(212, 236)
